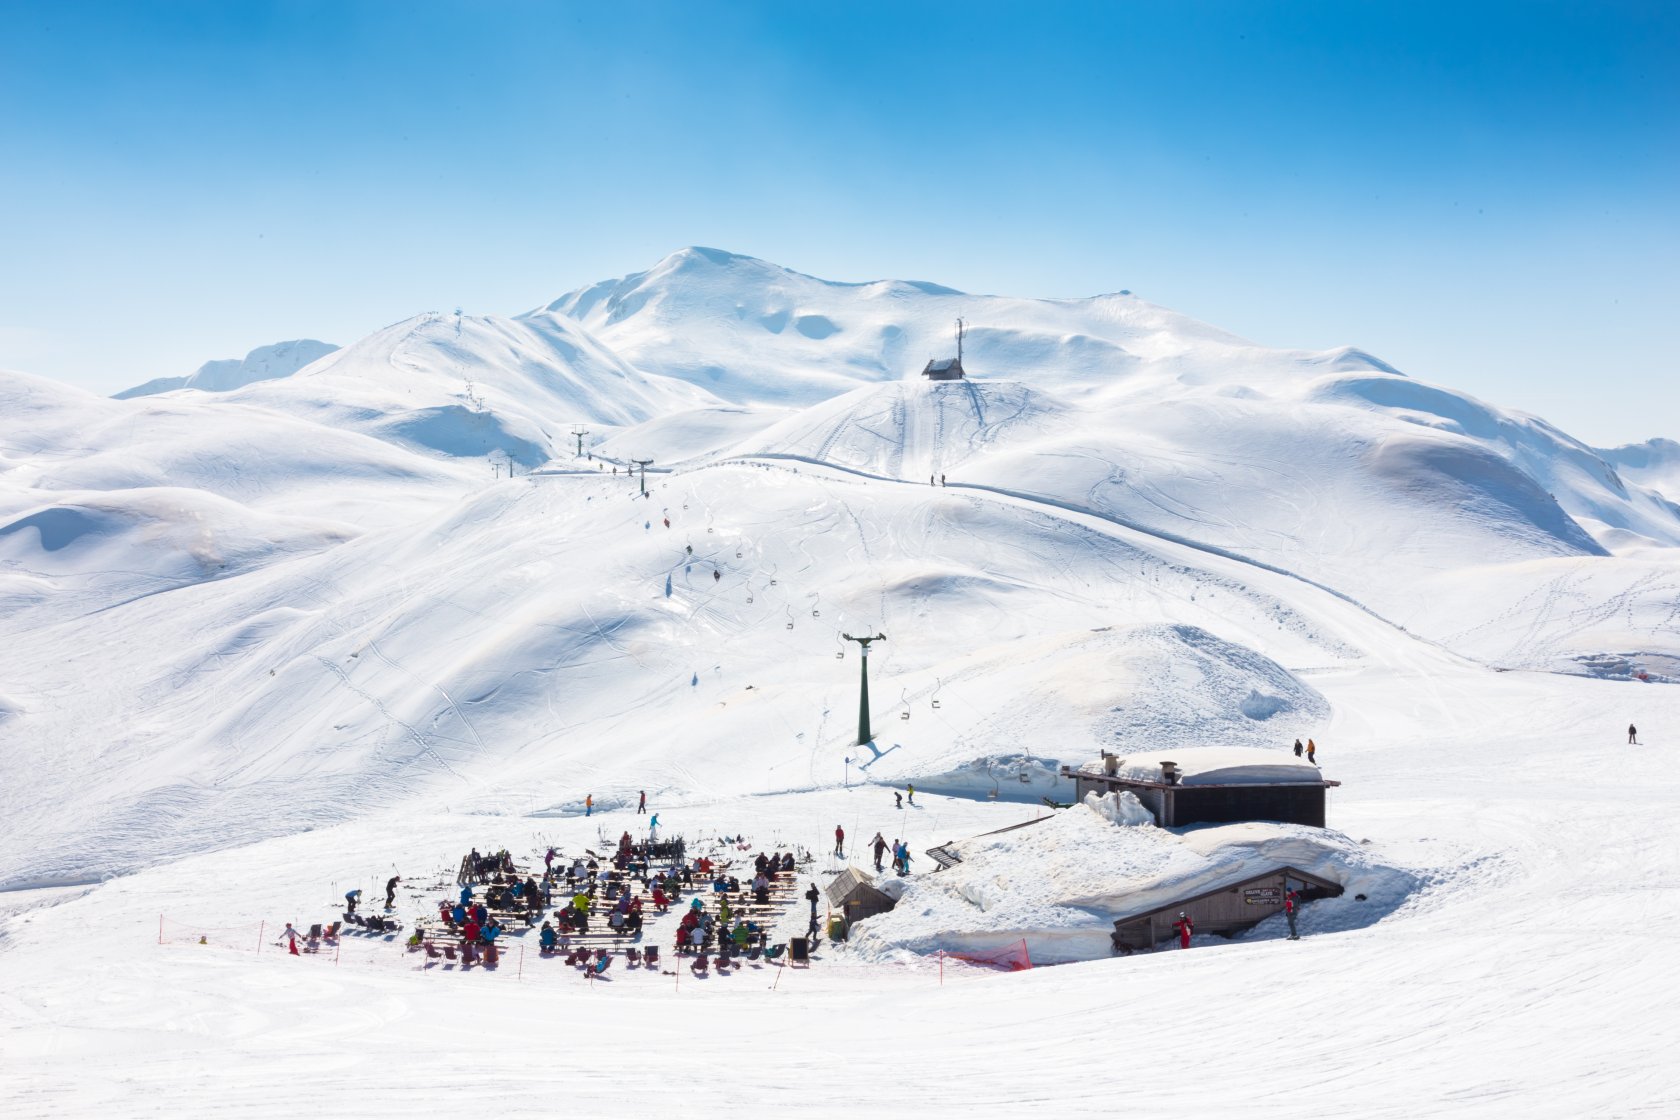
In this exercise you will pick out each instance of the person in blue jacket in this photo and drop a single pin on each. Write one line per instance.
(458, 914)
(548, 937)
(466, 894)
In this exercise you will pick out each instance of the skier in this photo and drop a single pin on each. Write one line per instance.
(350, 899)
(1289, 914)
(910, 792)
(391, 890)
(653, 825)
(716, 575)
(880, 847)
(839, 841)
(1633, 734)
(1184, 927)
(1297, 748)
(898, 800)
(641, 806)
(589, 805)
(1312, 749)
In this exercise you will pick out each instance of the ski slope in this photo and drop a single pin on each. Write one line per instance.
(263, 643)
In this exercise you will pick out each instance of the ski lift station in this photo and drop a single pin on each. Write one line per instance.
(1211, 785)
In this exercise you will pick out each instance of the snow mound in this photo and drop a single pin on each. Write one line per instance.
(1202, 766)
(1121, 808)
(1061, 883)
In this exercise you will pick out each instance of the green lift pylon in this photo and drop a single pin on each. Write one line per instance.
(863, 695)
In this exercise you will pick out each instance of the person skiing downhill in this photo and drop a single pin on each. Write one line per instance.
(1298, 748)
(839, 841)
(1633, 734)
(898, 800)
(880, 846)
(1289, 914)
(1184, 927)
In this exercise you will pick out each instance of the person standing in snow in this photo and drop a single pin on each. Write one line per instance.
(1289, 914)
(1297, 748)
(1633, 734)
(391, 891)
(1185, 928)
(351, 898)
(289, 938)
(641, 806)
(1312, 751)
(898, 800)
(812, 895)
(839, 841)
(880, 847)
(910, 792)
(589, 805)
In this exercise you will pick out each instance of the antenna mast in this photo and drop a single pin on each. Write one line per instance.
(960, 333)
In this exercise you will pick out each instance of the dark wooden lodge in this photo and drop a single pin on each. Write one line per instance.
(1212, 785)
(1224, 910)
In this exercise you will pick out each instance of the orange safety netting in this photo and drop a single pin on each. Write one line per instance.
(245, 938)
(1014, 957)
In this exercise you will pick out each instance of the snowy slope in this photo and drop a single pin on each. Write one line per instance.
(262, 644)
(281, 359)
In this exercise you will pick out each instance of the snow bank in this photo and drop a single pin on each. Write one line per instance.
(1202, 766)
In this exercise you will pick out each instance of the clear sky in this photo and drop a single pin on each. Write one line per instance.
(1483, 194)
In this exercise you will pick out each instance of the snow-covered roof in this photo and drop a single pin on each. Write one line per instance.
(1204, 766)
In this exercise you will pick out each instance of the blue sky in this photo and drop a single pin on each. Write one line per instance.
(1482, 194)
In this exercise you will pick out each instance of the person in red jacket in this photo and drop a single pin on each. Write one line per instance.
(1289, 913)
(1185, 928)
(470, 931)
(839, 841)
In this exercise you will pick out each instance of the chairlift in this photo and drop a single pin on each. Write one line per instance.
(936, 703)
(749, 597)
(790, 626)
(816, 614)
(905, 714)
(737, 556)
(839, 655)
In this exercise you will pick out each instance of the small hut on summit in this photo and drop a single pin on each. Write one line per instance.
(1211, 785)
(855, 896)
(947, 369)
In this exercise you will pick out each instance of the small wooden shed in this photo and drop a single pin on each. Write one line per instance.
(854, 895)
(1226, 909)
(944, 369)
(1211, 785)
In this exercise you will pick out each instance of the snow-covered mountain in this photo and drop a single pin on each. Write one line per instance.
(282, 359)
(355, 619)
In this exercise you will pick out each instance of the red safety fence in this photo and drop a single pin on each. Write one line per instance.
(1011, 958)
(247, 938)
